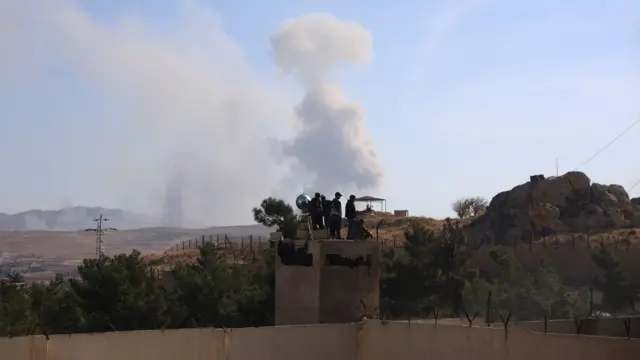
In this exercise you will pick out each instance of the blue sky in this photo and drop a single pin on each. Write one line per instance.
(462, 98)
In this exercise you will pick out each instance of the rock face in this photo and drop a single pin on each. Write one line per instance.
(567, 203)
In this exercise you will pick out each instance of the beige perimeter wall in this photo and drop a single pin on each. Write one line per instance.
(371, 340)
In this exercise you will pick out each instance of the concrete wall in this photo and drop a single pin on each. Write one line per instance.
(348, 293)
(23, 348)
(599, 327)
(372, 340)
(138, 345)
(413, 341)
(297, 294)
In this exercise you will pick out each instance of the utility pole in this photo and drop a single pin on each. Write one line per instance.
(100, 230)
(99, 234)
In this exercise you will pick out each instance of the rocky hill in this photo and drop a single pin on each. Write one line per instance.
(545, 206)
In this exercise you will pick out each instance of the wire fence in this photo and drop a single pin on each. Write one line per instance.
(571, 258)
(221, 241)
(238, 250)
(538, 319)
(615, 240)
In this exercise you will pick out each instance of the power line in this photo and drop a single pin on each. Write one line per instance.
(609, 144)
(632, 186)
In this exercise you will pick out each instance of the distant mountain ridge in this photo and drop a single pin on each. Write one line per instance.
(74, 219)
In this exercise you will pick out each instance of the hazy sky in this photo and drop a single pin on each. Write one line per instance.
(112, 103)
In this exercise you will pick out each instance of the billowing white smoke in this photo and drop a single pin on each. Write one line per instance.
(333, 145)
(184, 95)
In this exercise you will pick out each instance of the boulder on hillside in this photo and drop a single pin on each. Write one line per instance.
(567, 203)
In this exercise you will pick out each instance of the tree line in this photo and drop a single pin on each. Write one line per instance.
(426, 276)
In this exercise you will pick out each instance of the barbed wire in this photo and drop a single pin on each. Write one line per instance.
(496, 316)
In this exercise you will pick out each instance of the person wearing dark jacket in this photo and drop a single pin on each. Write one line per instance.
(315, 211)
(326, 212)
(350, 214)
(336, 216)
(312, 208)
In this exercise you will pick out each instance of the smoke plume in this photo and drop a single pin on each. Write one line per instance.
(333, 145)
(183, 120)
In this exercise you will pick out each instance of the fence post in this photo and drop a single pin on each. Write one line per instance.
(469, 318)
(218, 240)
(627, 327)
(202, 242)
(505, 322)
(251, 242)
(189, 247)
(488, 319)
(590, 300)
(578, 324)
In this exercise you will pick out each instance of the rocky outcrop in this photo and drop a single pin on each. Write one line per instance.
(567, 203)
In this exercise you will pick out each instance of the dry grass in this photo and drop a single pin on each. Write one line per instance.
(392, 228)
(80, 244)
(235, 253)
(391, 233)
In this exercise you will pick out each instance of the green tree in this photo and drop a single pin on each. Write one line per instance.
(514, 289)
(475, 294)
(426, 273)
(15, 308)
(470, 206)
(478, 205)
(276, 212)
(119, 293)
(617, 292)
(55, 307)
(550, 293)
(212, 292)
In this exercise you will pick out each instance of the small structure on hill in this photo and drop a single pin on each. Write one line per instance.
(370, 200)
(401, 213)
(324, 281)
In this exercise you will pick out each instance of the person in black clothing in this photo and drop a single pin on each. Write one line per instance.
(350, 214)
(336, 216)
(313, 208)
(315, 211)
(326, 212)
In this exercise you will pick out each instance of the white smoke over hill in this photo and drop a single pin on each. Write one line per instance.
(333, 145)
(184, 118)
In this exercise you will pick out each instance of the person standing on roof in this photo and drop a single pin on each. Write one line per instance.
(350, 214)
(326, 213)
(315, 211)
(336, 216)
